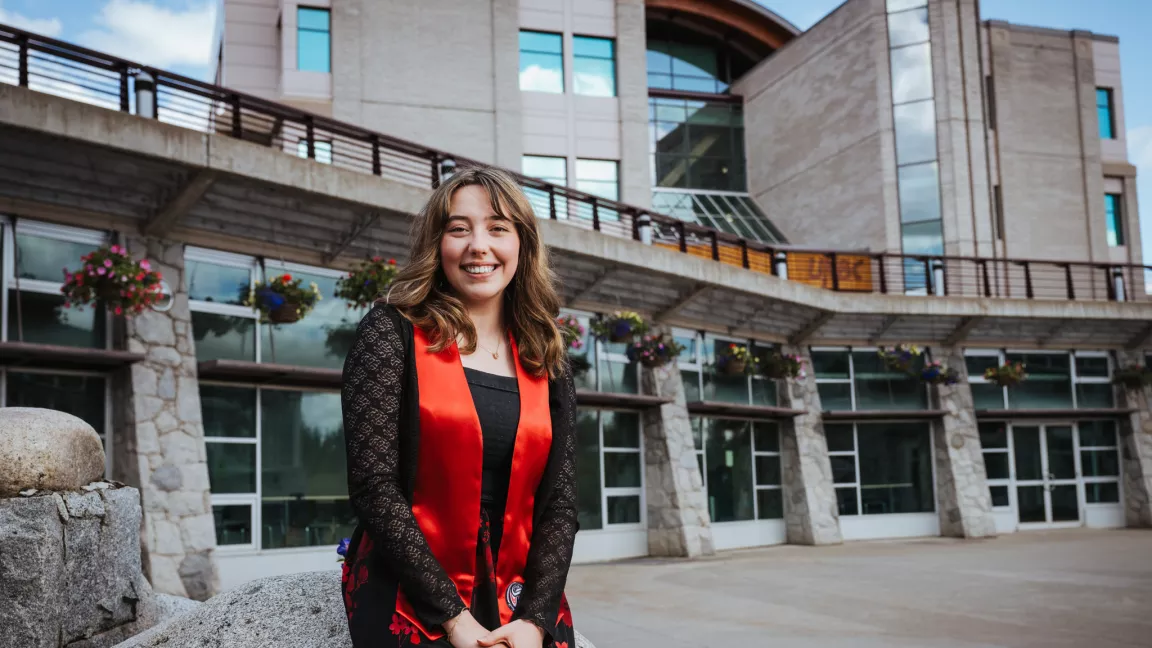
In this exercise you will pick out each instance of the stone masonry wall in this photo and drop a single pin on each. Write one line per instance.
(162, 449)
(678, 521)
(1136, 449)
(810, 511)
(962, 498)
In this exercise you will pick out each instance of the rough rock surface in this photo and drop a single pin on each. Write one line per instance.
(70, 570)
(296, 611)
(46, 450)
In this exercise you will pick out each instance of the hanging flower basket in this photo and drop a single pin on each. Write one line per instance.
(655, 350)
(367, 281)
(281, 300)
(736, 360)
(112, 277)
(900, 357)
(571, 331)
(1009, 374)
(620, 327)
(935, 373)
(1134, 376)
(779, 366)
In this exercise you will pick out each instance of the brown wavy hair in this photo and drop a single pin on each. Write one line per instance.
(422, 294)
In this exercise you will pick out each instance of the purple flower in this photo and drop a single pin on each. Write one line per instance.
(621, 328)
(342, 548)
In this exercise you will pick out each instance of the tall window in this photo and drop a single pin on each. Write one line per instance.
(549, 169)
(313, 39)
(740, 464)
(858, 380)
(1056, 380)
(1105, 113)
(613, 496)
(1114, 217)
(35, 314)
(594, 66)
(541, 62)
(276, 466)
(697, 144)
(997, 459)
(880, 468)
(599, 178)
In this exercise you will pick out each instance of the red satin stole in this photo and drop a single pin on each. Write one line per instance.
(446, 499)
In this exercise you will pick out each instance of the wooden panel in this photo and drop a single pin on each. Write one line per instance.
(854, 271)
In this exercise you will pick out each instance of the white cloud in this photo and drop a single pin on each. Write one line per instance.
(43, 26)
(142, 31)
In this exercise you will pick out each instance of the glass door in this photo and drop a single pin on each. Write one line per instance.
(1046, 477)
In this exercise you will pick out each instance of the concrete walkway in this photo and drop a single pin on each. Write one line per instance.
(1081, 588)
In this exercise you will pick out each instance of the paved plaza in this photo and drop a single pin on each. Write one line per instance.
(1048, 589)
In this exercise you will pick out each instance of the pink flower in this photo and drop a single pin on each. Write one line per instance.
(115, 249)
(144, 265)
(100, 271)
(107, 263)
(119, 311)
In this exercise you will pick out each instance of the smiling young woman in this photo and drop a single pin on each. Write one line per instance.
(459, 419)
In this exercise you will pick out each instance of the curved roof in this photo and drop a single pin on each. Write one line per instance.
(748, 18)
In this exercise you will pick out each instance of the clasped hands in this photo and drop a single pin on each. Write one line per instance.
(464, 631)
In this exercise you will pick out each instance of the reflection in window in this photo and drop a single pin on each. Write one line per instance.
(46, 258)
(548, 169)
(303, 474)
(895, 470)
(541, 62)
(697, 144)
(611, 439)
(1049, 383)
(81, 396)
(599, 178)
(860, 380)
(919, 191)
(728, 466)
(594, 66)
(216, 283)
(321, 149)
(233, 524)
(911, 73)
(915, 132)
(224, 337)
(322, 339)
(41, 318)
(588, 492)
(1113, 216)
(313, 40)
(907, 27)
(686, 66)
(1105, 113)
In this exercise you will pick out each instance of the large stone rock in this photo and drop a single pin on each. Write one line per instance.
(70, 570)
(296, 611)
(46, 450)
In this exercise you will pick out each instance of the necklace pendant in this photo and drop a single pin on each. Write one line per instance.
(496, 356)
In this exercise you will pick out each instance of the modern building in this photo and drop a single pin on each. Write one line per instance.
(902, 172)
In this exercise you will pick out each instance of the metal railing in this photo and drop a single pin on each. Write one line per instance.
(81, 74)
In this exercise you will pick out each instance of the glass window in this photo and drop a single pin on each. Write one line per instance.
(46, 321)
(621, 429)
(549, 169)
(840, 437)
(686, 66)
(728, 459)
(46, 258)
(697, 144)
(541, 62)
(624, 509)
(915, 135)
(1097, 434)
(1105, 114)
(594, 66)
(1049, 383)
(908, 27)
(224, 337)
(877, 387)
(895, 468)
(313, 40)
(911, 73)
(835, 397)
(304, 498)
(321, 149)
(993, 435)
(599, 178)
(921, 238)
(231, 467)
(1092, 367)
(831, 364)
(228, 412)
(216, 283)
(233, 524)
(1000, 496)
(902, 5)
(588, 491)
(1102, 493)
(1113, 213)
(319, 340)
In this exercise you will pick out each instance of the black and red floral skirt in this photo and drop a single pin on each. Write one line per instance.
(370, 598)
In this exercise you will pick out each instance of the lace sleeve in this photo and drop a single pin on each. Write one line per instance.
(374, 374)
(550, 553)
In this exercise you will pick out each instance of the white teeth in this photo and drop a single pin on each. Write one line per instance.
(479, 269)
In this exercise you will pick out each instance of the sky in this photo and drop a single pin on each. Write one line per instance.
(177, 35)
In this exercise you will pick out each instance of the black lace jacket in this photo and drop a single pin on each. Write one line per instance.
(381, 428)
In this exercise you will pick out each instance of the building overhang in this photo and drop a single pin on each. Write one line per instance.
(83, 165)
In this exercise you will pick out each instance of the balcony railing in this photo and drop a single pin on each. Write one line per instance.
(77, 73)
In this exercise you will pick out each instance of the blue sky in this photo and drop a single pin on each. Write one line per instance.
(177, 35)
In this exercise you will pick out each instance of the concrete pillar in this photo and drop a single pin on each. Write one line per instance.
(678, 522)
(811, 515)
(962, 499)
(632, 90)
(162, 450)
(1136, 448)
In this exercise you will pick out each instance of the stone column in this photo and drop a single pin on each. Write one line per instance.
(811, 515)
(962, 499)
(678, 522)
(160, 444)
(1136, 448)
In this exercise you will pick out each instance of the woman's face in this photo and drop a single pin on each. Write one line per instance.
(480, 249)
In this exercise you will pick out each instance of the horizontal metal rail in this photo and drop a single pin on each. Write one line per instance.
(74, 72)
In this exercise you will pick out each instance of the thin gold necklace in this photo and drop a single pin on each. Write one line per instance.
(496, 353)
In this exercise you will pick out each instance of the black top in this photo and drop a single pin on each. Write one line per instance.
(380, 401)
(497, 402)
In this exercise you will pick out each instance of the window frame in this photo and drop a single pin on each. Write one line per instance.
(328, 33)
(232, 260)
(607, 492)
(1109, 106)
(1114, 221)
(563, 56)
(702, 460)
(615, 165)
(576, 58)
(858, 483)
(851, 379)
(698, 364)
(1074, 378)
